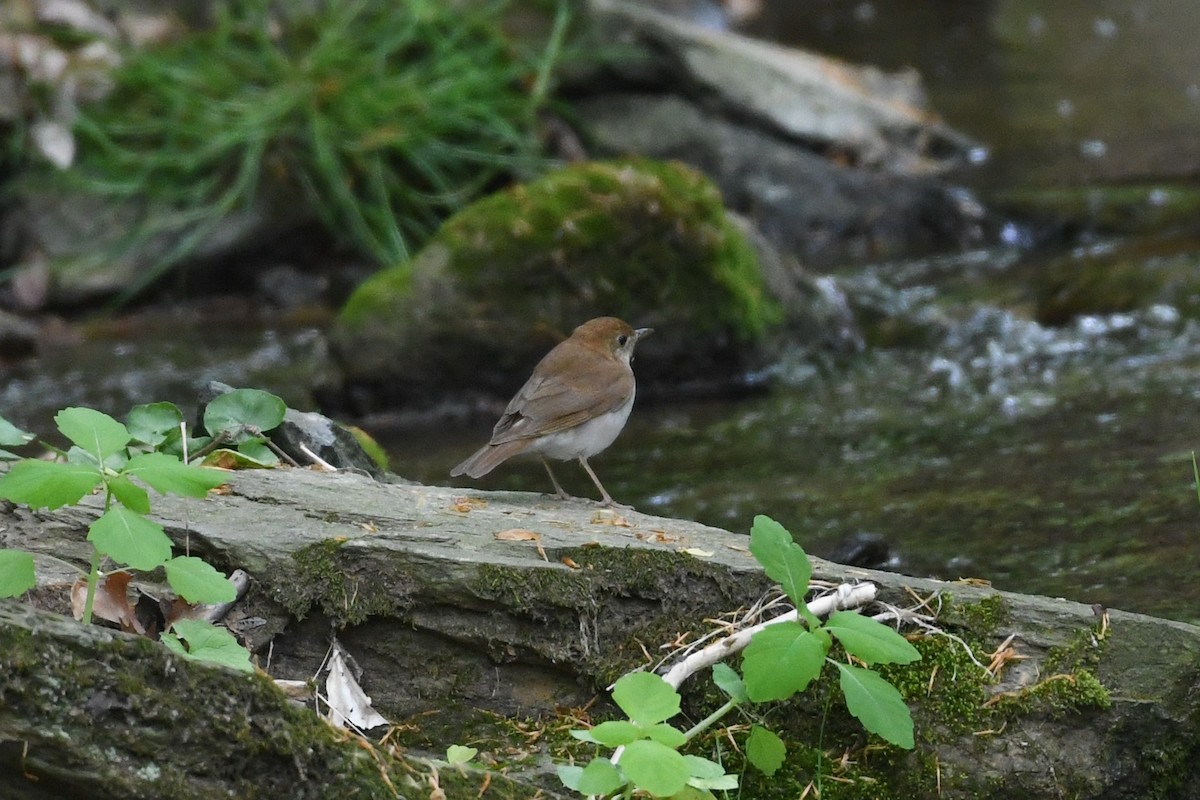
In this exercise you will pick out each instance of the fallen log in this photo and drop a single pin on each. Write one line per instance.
(468, 609)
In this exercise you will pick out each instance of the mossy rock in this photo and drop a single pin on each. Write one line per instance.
(1109, 208)
(1130, 277)
(509, 276)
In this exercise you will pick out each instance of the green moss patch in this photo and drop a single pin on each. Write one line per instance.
(325, 579)
(627, 235)
(508, 277)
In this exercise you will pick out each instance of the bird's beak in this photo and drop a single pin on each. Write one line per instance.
(643, 332)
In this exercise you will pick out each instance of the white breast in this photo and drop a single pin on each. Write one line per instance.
(584, 440)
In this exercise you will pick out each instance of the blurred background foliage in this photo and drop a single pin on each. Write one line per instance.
(377, 119)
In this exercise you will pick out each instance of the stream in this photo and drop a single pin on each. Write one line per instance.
(1043, 450)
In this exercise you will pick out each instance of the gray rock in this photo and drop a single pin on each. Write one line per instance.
(804, 203)
(831, 161)
(879, 118)
(306, 432)
(18, 337)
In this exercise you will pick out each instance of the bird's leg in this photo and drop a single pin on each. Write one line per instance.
(608, 501)
(562, 495)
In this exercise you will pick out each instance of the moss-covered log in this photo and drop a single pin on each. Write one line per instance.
(474, 636)
(91, 712)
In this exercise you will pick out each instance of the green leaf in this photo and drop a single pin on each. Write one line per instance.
(781, 660)
(169, 475)
(173, 643)
(690, 792)
(114, 462)
(16, 573)
(654, 767)
(197, 581)
(244, 413)
(96, 433)
(877, 704)
(570, 775)
(458, 754)
(130, 538)
(129, 493)
(729, 682)
(645, 697)
(48, 484)
(599, 777)
(784, 561)
(207, 642)
(871, 641)
(151, 423)
(12, 436)
(666, 734)
(765, 750)
(720, 783)
(258, 450)
(703, 768)
(172, 444)
(225, 458)
(615, 733)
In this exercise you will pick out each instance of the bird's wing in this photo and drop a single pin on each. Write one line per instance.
(557, 399)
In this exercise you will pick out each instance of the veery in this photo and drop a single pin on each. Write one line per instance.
(573, 406)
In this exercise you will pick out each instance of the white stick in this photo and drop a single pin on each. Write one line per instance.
(846, 596)
(320, 462)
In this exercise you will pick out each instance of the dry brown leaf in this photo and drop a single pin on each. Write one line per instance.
(663, 538)
(297, 690)
(222, 459)
(110, 603)
(519, 535)
(180, 609)
(466, 505)
(523, 535)
(610, 518)
(570, 562)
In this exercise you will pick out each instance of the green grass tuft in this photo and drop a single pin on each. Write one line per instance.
(380, 119)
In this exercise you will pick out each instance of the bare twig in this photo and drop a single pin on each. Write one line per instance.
(846, 596)
(320, 462)
(241, 583)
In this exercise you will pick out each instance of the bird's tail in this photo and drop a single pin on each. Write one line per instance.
(488, 457)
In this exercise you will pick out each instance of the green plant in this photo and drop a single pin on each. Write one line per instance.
(648, 756)
(379, 118)
(782, 659)
(108, 455)
(458, 755)
(241, 418)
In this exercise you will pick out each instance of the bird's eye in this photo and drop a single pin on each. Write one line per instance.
(622, 340)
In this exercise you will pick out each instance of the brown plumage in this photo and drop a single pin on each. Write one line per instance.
(573, 405)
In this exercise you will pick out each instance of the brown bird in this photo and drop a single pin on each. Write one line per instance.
(573, 405)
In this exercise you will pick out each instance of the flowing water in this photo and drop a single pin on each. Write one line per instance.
(1050, 458)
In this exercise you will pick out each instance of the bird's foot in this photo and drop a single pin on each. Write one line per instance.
(608, 502)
